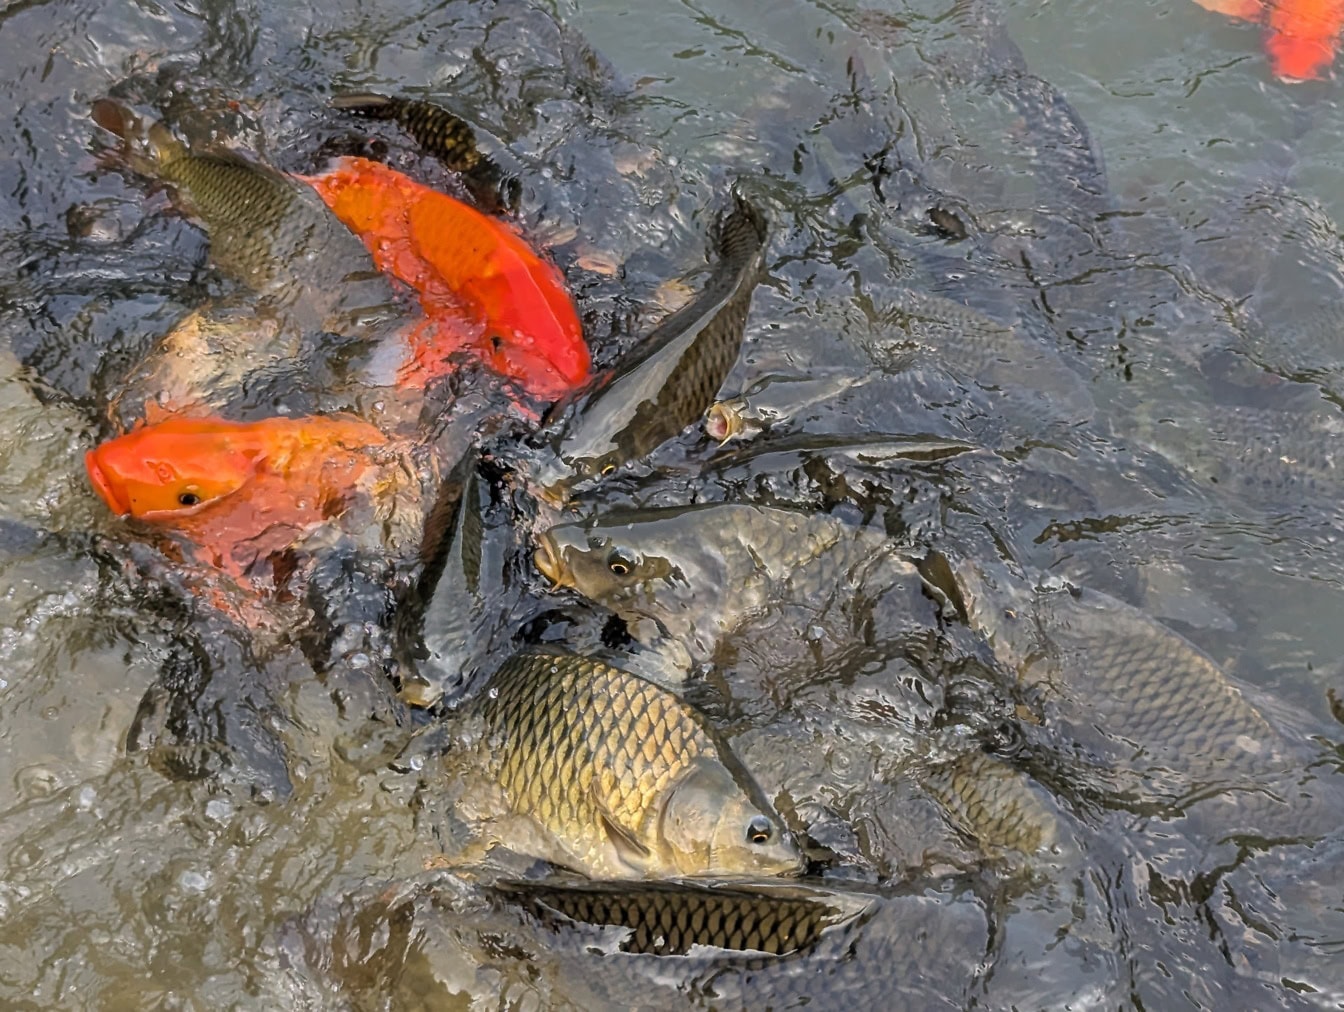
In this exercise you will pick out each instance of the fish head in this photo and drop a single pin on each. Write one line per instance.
(172, 469)
(710, 826)
(620, 569)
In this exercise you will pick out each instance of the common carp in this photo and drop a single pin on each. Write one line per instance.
(1115, 678)
(689, 575)
(267, 231)
(627, 780)
(669, 380)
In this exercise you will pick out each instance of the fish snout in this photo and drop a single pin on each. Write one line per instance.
(548, 561)
(104, 487)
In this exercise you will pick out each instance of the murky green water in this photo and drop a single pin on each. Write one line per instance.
(1195, 281)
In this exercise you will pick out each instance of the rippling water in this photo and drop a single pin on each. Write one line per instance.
(1170, 443)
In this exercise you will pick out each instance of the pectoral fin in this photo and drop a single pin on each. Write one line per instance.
(629, 849)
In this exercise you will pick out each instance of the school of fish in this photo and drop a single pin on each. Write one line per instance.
(627, 786)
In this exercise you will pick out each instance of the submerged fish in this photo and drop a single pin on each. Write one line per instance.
(447, 137)
(626, 779)
(239, 490)
(991, 801)
(267, 231)
(671, 919)
(692, 574)
(1301, 36)
(1115, 677)
(669, 380)
(481, 286)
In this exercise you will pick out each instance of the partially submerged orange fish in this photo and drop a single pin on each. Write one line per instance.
(239, 490)
(1301, 36)
(481, 286)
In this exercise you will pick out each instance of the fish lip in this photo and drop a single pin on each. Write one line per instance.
(547, 560)
(98, 479)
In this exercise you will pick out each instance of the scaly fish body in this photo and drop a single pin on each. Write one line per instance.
(238, 490)
(694, 574)
(672, 377)
(1106, 667)
(481, 285)
(670, 919)
(447, 137)
(627, 779)
(267, 231)
(1301, 36)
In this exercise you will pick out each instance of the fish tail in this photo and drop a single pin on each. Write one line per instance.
(146, 146)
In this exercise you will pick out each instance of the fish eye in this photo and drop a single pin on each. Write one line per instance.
(189, 499)
(759, 830)
(620, 562)
(607, 469)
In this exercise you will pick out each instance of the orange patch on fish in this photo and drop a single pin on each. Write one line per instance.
(239, 490)
(1301, 36)
(482, 287)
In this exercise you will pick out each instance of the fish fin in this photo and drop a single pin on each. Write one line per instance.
(367, 103)
(941, 584)
(631, 851)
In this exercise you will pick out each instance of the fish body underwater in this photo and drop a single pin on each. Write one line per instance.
(267, 231)
(627, 780)
(1301, 36)
(671, 378)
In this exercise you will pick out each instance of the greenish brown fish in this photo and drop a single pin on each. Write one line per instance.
(992, 802)
(667, 919)
(447, 137)
(1104, 667)
(626, 779)
(971, 344)
(690, 575)
(267, 231)
(671, 378)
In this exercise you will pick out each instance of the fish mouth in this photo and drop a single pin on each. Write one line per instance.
(98, 479)
(547, 560)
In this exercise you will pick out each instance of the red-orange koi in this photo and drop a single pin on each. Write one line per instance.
(1301, 36)
(240, 491)
(481, 286)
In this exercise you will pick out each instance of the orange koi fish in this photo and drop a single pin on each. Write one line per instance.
(481, 286)
(1301, 36)
(239, 490)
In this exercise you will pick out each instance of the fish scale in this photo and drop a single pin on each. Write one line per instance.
(586, 750)
(447, 137)
(669, 920)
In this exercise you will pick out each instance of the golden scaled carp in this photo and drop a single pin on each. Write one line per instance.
(691, 575)
(625, 778)
(268, 232)
(670, 379)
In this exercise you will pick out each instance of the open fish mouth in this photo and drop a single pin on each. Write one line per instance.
(547, 560)
(104, 488)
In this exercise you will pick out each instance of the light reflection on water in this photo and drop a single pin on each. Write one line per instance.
(122, 885)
